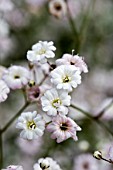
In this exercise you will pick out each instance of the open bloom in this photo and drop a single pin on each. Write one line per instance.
(4, 90)
(16, 77)
(55, 101)
(32, 124)
(14, 167)
(62, 128)
(68, 59)
(65, 77)
(46, 164)
(41, 51)
(58, 8)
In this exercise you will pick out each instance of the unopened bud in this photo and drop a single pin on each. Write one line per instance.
(97, 155)
(31, 83)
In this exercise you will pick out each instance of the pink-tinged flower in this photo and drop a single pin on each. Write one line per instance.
(85, 162)
(58, 8)
(16, 77)
(62, 128)
(33, 93)
(66, 77)
(68, 59)
(6, 6)
(4, 90)
(46, 164)
(14, 167)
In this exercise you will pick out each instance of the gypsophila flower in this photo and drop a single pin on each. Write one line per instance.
(62, 128)
(66, 77)
(85, 162)
(33, 93)
(41, 51)
(32, 125)
(58, 8)
(46, 164)
(68, 59)
(14, 167)
(4, 90)
(55, 101)
(16, 77)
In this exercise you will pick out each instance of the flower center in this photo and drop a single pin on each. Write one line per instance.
(86, 165)
(42, 51)
(16, 77)
(66, 79)
(56, 103)
(63, 126)
(31, 125)
(57, 6)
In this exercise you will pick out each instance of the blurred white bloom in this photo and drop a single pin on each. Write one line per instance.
(65, 77)
(14, 167)
(33, 145)
(58, 8)
(41, 51)
(32, 125)
(4, 28)
(46, 164)
(4, 90)
(83, 145)
(111, 153)
(62, 128)
(85, 162)
(68, 59)
(6, 6)
(55, 101)
(16, 77)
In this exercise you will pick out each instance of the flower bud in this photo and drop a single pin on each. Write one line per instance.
(97, 155)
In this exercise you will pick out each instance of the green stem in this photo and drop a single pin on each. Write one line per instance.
(93, 118)
(13, 118)
(1, 151)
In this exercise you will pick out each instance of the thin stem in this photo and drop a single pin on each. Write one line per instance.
(100, 114)
(107, 160)
(13, 118)
(93, 118)
(1, 151)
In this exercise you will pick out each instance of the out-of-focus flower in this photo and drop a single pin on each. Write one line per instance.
(85, 162)
(41, 51)
(2, 69)
(34, 145)
(83, 145)
(65, 77)
(16, 77)
(32, 125)
(4, 90)
(58, 8)
(33, 93)
(6, 6)
(68, 59)
(111, 153)
(55, 101)
(46, 164)
(4, 28)
(14, 167)
(62, 128)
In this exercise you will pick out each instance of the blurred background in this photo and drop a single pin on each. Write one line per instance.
(86, 27)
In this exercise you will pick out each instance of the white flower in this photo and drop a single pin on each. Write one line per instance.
(16, 77)
(55, 101)
(41, 51)
(58, 8)
(68, 59)
(85, 162)
(32, 124)
(65, 77)
(46, 164)
(4, 90)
